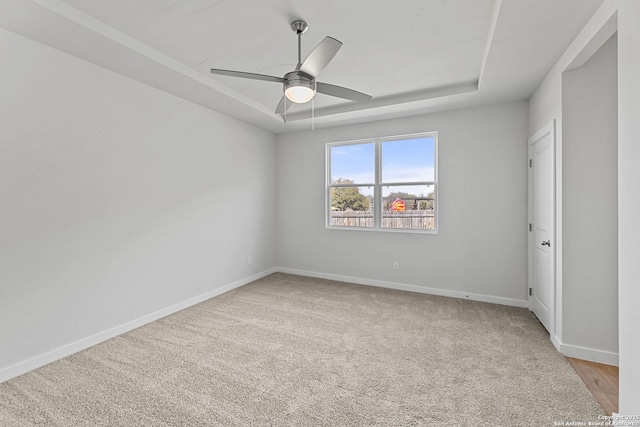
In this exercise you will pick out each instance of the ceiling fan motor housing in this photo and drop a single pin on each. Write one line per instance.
(300, 82)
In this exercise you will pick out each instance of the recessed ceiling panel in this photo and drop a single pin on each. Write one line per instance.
(413, 56)
(389, 48)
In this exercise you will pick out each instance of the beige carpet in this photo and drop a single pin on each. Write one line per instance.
(290, 350)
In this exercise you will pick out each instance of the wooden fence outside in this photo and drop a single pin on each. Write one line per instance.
(410, 219)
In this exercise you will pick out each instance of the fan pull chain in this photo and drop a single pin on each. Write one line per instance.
(313, 111)
(285, 109)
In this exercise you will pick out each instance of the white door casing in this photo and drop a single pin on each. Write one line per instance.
(541, 237)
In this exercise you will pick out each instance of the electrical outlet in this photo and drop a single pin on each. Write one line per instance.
(396, 265)
(249, 260)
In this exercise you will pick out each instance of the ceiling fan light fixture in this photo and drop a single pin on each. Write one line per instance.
(299, 94)
(299, 88)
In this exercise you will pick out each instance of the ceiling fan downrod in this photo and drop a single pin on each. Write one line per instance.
(299, 27)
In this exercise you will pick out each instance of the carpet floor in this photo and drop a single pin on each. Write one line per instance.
(291, 350)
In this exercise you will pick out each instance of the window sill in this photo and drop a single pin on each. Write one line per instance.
(383, 230)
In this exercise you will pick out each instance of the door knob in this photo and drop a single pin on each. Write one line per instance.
(546, 243)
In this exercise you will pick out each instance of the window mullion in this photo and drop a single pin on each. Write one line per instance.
(377, 190)
(327, 184)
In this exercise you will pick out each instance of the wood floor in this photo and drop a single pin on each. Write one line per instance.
(601, 380)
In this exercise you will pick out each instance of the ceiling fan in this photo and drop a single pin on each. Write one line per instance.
(300, 85)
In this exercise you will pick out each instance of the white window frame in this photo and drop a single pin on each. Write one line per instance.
(378, 184)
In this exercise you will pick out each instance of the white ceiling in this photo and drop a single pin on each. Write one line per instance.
(413, 56)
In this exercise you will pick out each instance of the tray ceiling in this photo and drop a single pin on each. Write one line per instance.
(423, 56)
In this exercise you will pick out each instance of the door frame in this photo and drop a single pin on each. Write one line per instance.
(556, 303)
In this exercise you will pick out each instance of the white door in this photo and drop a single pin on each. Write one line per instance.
(541, 239)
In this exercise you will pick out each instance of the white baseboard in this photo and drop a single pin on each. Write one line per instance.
(66, 350)
(410, 288)
(585, 353)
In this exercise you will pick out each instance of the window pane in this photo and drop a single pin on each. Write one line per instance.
(352, 206)
(353, 164)
(399, 171)
(409, 207)
(409, 160)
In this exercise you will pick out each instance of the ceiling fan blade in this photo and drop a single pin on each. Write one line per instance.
(244, 75)
(280, 109)
(341, 92)
(320, 57)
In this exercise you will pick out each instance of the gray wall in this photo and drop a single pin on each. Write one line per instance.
(480, 250)
(590, 202)
(546, 104)
(117, 201)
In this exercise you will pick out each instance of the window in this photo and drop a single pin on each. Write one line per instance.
(383, 184)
